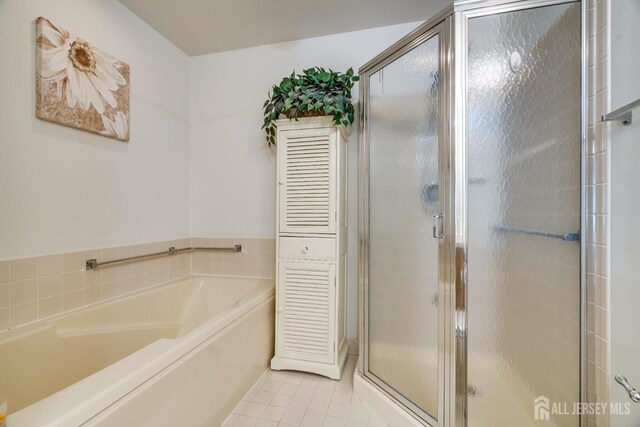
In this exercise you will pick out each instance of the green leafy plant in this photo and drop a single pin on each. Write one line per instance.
(315, 92)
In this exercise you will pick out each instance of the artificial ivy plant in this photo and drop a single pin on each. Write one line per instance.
(315, 92)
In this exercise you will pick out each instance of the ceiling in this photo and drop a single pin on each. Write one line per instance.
(206, 26)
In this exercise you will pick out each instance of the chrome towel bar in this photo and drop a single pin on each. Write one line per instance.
(567, 237)
(622, 114)
(93, 263)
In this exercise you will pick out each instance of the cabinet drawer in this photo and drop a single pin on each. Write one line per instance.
(307, 248)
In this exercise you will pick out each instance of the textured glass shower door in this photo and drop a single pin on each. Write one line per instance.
(404, 196)
(523, 118)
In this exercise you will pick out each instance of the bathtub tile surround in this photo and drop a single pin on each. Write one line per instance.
(289, 398)
(257, 259)
(36, 288)
(40, 287)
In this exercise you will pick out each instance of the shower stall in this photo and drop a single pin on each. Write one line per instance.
(471, 192)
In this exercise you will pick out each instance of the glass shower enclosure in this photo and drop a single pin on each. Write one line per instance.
(471, 140)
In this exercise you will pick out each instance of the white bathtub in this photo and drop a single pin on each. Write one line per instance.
(180, 354)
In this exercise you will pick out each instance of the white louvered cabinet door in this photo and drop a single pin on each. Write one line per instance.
(306, 311)
(307, 180)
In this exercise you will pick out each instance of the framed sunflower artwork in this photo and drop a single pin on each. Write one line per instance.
(79, 85)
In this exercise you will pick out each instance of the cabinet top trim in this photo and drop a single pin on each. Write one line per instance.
(310, 123)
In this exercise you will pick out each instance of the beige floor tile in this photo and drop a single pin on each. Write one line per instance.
(287, 398)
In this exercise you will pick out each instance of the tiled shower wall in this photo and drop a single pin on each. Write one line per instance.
(40, 287)
(598, 212)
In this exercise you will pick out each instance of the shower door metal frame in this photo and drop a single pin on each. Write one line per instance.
(452, 26)
(438, 25)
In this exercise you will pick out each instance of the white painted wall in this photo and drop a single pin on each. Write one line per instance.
(232, 172)
(624, 152)
(62, 189)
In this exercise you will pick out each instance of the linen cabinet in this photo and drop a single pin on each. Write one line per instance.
(311, 246)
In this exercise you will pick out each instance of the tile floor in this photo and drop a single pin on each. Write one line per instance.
(289, 398)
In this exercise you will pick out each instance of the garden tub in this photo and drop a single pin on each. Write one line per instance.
(178, 354)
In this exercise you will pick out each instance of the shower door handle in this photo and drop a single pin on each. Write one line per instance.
(438, 226)
(633, 393)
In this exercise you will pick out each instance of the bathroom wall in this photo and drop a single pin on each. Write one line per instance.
(624, 154)
(232, 172)
(65, 190)
(68, 195)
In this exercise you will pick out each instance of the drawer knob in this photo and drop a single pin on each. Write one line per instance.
(305, 250)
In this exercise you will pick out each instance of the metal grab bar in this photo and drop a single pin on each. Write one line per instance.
(622, 114)
(93, 263)
(567, 237)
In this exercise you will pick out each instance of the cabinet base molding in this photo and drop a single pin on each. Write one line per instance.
(325, 369)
